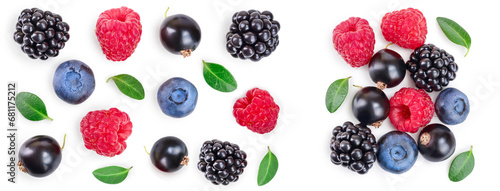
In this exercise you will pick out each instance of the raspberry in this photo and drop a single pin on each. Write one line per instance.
(354, 40)
(257, 111)
(411, 109)
(118, 31)
(105, 131)
(406, 28)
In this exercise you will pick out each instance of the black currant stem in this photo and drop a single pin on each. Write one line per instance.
(389, 45)
(360, 87)
(166, 12)
(146, 150)
(64, 142)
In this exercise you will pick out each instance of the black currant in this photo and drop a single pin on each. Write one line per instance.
(169, 154)
(370, 106)
(180, 34)
(387, 68)
(436, 142)
(39, 156)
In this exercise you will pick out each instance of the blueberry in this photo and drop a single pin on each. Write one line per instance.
(177, 97)
(397, 152)
(73, 81)
(452, 106)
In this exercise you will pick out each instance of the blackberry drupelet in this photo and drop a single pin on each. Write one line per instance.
(431, 68)
(41, 34)
(221, 162)
(252, 35)
(354, 147)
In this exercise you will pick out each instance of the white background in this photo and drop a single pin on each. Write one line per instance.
(297, 74)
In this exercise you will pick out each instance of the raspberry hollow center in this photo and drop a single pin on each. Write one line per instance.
(121, 18)
(120, 15)
(405, 112)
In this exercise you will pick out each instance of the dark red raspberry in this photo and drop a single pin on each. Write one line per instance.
(354, 40)
(407, 28)
(105, 131)
(411, 109)
(257, 111)
(118, 31)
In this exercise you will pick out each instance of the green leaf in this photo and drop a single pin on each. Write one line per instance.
(268, 168)
(454, 32)
(111, 174)
(31, 107)
(461, 166)
(336, 93)
(129, 86)
(218, 77)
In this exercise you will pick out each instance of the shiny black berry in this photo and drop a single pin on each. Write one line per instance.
(41, 34)
(39, 156)
(436, 142)
(354, 147)
(431, 68)
(252, 35)
(370, 106)
(221, 162)
(180, 34)
(169, 154)
(387, 68)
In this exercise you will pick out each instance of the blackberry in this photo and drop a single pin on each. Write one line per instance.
(41, 34)
(221, 162)
(252, 35)
(431, 68)
(354, 147)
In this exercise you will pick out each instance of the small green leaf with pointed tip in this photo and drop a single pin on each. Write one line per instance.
(111, 174)
(129, 86)
(268, 168)
(218, 77)
(31, 107)
(461, 166)
(336, 93)
(455, 32)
